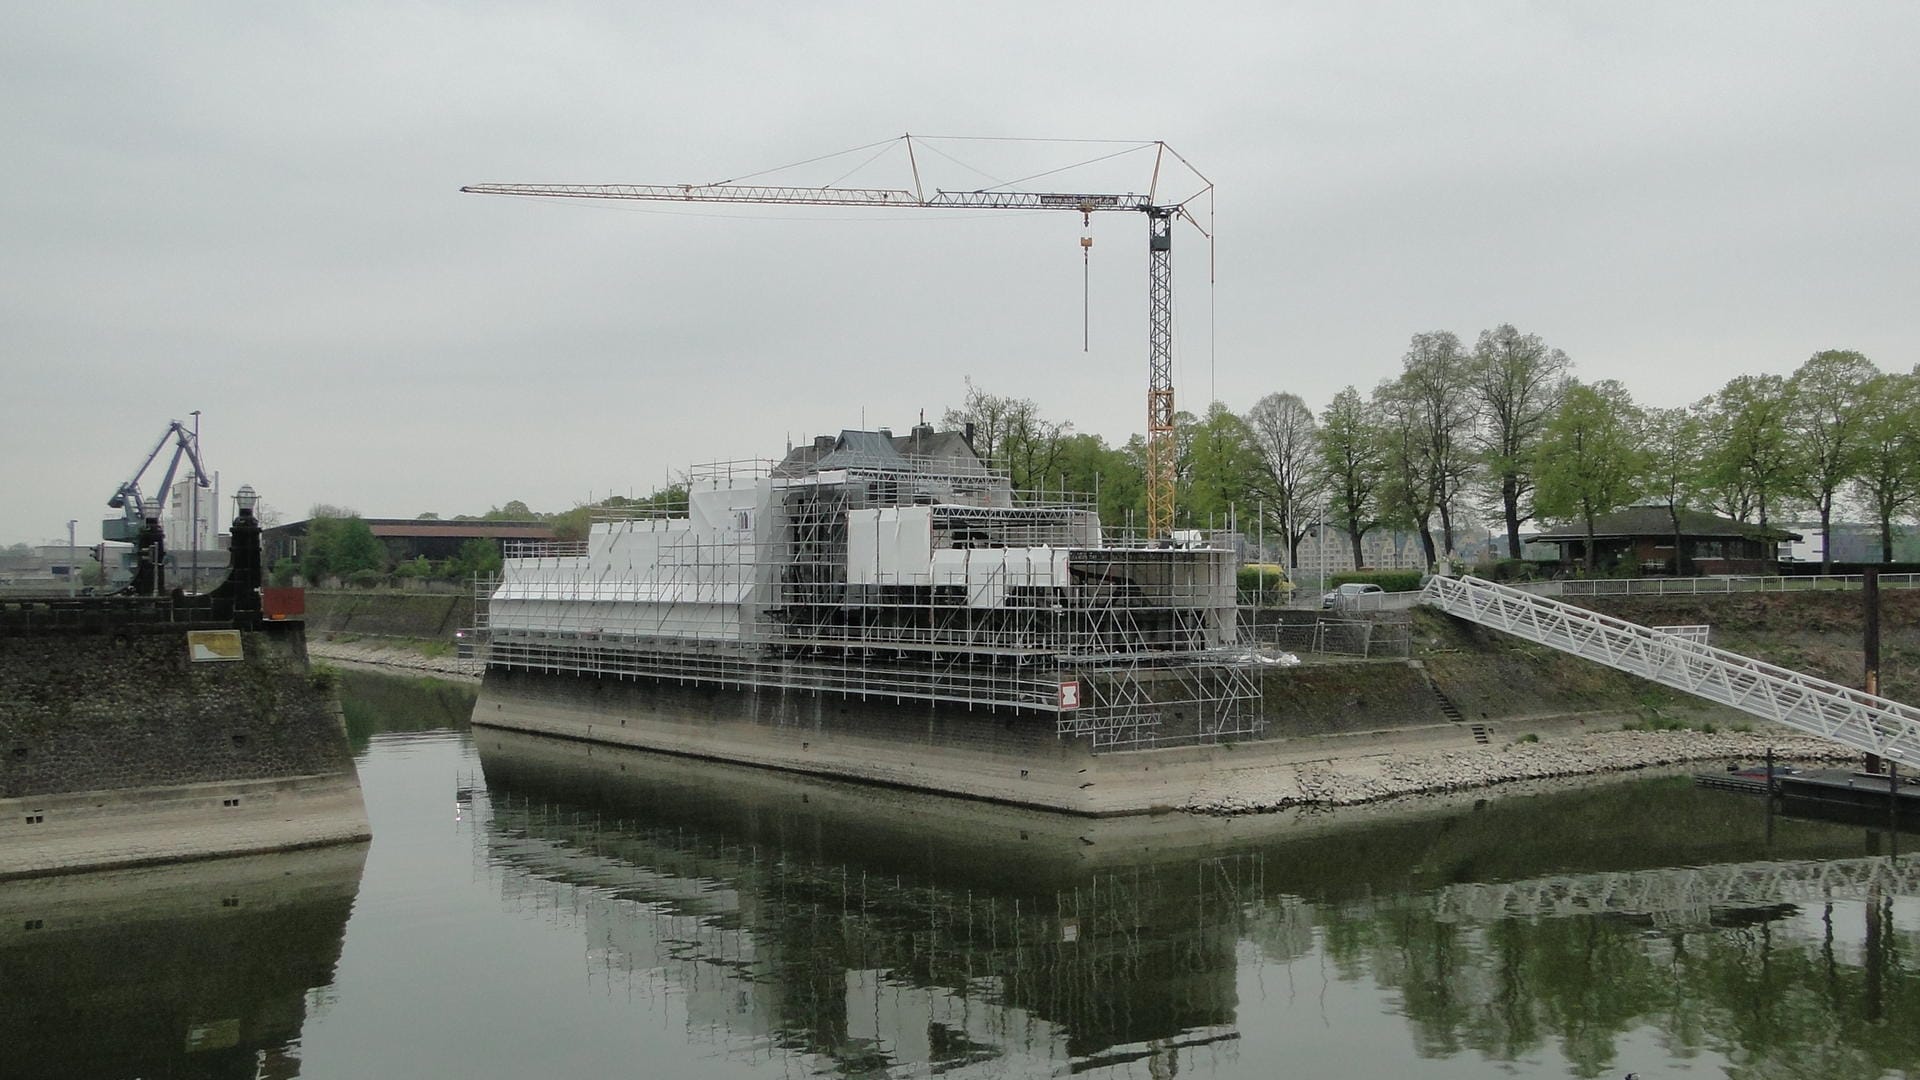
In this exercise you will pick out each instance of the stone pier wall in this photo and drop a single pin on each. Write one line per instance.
(116, 749)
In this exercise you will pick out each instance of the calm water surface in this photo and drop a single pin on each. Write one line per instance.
(539, 909)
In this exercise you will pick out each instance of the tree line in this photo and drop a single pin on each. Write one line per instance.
(1502, 432)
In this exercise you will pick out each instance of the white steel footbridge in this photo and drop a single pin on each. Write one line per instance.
(1855, 718)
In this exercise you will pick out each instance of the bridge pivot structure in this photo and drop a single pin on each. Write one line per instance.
(1855, 718)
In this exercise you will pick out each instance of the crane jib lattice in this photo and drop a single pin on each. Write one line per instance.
(1854, 718)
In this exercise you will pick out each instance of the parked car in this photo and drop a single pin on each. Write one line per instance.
(1348, 595)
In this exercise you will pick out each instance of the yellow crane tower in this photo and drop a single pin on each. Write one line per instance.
(1161, 449)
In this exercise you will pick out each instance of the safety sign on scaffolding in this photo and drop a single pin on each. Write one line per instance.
(1070, 694)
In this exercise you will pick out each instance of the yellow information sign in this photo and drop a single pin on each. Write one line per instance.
(213, 645)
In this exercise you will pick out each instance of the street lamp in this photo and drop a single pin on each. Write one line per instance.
(245, 500)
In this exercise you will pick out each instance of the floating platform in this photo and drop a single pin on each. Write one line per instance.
(1828, 787)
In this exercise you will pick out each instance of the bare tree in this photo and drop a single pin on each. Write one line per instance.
(1010, 433)
(1516, 381)
(1287, 439)
(1436, 377)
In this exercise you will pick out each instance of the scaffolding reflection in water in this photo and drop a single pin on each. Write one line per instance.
(770, 954)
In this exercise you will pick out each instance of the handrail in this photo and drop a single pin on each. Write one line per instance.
(1866, 722)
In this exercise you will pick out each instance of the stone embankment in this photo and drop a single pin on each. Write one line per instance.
(395, 657)
(1355, 780)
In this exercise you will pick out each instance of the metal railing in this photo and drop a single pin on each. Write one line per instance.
(1864, 721)
(1709, 586)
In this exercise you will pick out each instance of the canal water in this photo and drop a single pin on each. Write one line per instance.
(538, 909)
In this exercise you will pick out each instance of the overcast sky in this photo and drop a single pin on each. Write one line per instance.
(252, 210)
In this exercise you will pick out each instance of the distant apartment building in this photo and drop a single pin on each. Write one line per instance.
(188, 505)
(1853, 542)
(1331, 551)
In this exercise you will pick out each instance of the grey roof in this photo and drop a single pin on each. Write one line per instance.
(949, 451)
(863, 450)
(1654, 521)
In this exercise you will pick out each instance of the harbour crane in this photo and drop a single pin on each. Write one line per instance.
(139, 522)
(1160, 216)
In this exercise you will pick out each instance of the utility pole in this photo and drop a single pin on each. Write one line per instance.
(193, 530)
(71, 551)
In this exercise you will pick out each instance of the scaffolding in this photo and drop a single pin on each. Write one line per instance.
(858, 567)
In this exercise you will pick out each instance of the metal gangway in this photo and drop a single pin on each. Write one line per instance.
(1855, 718)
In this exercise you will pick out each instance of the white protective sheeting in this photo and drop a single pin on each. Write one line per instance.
(988, 573)
(890, 546)
(643, 578)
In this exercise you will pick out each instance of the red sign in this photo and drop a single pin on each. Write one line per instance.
(1070, 694)
(283, 603)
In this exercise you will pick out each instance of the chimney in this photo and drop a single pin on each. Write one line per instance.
(823, 444)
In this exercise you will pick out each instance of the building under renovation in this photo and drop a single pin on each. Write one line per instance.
(892, 568)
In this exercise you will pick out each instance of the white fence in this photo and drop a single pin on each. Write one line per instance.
(1709, 586)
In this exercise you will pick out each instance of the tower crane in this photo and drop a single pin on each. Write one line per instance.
(1160, 216)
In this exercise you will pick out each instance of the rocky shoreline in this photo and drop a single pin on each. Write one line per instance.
(394, 658)
(1377, 777)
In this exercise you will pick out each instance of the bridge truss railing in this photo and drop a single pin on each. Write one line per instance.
(1854, 718)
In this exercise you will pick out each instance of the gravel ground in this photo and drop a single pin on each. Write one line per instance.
(394, 657)
(1346, 782)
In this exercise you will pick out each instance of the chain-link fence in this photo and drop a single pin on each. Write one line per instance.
(1334, 635)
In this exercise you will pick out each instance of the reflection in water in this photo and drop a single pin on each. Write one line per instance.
(736, 922)
(375, 702)
(871, 931)
(205, 969)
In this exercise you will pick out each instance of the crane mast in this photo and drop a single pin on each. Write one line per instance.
(1162, 449)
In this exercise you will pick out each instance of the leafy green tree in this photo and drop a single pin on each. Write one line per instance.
(418, 568)
(1293, 480)
(1516, 381)
(1672, 440)
(283, 571)
(1350, 457)
(477, 557)
(1219, 471)
(1889, 477)
(1087, 465)
(1750, 466)
(515, 510)
(1828, 416)
(1591, 458)
(573, 525)
(338, 546)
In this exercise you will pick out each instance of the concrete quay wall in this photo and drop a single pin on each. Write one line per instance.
(116, 749)
(997, 756)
